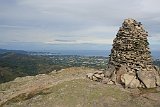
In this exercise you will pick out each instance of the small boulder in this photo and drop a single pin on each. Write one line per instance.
(110, 83)
(89, 75)
(102, 75)
(98, 76)
(99, 72)
(147, 78)
(130, 81)
(94, 78)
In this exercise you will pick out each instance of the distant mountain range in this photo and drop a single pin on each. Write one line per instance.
(15, 51)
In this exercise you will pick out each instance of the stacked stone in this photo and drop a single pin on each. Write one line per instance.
(130, 62)
(96, 76)
(130, 47)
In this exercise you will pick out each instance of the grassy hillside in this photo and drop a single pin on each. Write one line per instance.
(14, 65)
(70, 88)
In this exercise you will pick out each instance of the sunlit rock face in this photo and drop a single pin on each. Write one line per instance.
(130, 62)
(131, 57)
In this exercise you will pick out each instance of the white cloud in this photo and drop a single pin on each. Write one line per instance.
(82, 41)
(74, 21)
(150, 6)
(155, 39)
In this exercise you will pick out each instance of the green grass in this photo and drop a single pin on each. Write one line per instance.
(80, 92)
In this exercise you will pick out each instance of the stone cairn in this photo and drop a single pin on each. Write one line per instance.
(130, 63)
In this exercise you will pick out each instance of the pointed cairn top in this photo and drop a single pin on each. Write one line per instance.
(130, 63)
(132, 24)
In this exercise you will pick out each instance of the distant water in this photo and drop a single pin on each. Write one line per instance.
(82, 52)
(155, 54)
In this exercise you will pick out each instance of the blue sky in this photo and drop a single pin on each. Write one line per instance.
(73, 24)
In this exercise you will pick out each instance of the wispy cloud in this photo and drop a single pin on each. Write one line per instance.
(14, 27)
(74, 21)
(82, 41)
(58, 40)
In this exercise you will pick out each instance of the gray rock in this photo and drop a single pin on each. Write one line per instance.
(99, 72)
(130, 61)
(130, 57)
(98, 76)
(147, 78)
(110, 70)
(130, 81)
(157, 80)
(110, 83)
(102, 75)
(94, 78)
(89, 75)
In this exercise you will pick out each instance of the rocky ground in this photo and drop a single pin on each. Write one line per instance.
(71, 88)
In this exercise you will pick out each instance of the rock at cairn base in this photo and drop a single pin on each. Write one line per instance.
(97, 76)
(130, 62)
